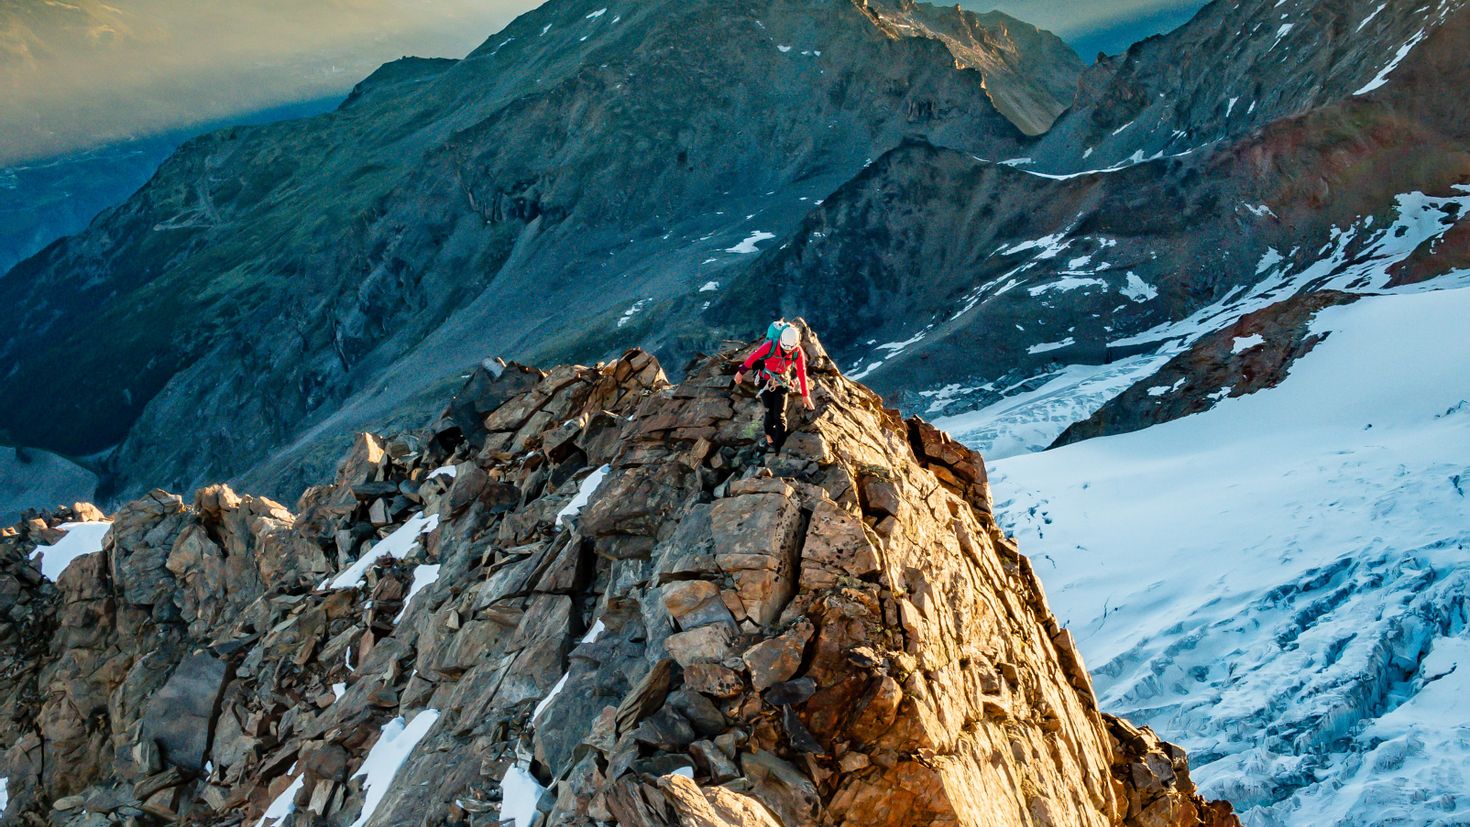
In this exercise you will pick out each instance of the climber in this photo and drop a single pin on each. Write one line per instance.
(780, 356)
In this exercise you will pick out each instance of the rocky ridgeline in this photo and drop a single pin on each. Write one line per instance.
(587, 582)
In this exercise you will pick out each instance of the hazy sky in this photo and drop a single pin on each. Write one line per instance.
(75, 73)
(80, 73)
(1091, 26)
(1070, 18)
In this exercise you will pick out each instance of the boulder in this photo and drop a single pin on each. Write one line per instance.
(776, 660)
(706, 644)
(755, 542)
(180, 716)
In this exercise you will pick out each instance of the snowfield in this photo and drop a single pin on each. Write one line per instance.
(1281, 583)
(1029, 420)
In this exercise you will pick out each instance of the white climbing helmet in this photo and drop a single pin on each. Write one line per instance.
(790, 337)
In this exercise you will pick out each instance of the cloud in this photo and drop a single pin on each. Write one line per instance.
(87, 72)
(84, 73)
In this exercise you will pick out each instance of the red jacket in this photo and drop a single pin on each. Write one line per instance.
(777, 364)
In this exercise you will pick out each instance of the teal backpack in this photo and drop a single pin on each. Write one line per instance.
(773, 338)
(773, 334)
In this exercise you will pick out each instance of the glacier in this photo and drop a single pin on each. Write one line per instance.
(1281, 582)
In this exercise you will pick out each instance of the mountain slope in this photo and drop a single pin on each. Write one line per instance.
(535, 197)
(584, 594)
(1235, 67)
(958, 283)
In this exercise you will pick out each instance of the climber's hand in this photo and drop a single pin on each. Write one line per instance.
(739, 377)
(807, 401)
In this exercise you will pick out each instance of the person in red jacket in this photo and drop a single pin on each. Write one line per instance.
(782, 368)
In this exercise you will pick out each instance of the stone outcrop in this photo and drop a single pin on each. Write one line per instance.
(579, 596)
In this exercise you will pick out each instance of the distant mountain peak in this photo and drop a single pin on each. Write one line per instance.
(1233, 68)
(1029, 74)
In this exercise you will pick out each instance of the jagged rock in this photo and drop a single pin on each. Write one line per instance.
(773, 661)
(713, 806)
(694, 603)
(706, 644)
(782, 788)
(713, 679)
(807, 646)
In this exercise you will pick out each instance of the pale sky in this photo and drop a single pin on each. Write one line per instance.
(86, 72)
(1091, 26)
(81, 73)
(1069, 18)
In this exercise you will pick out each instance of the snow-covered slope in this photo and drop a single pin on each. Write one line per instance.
(1363, 256)
(1282, 581)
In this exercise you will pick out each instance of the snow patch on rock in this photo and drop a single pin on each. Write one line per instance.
(1138, 290)
(1382, 77)
(519, 794)
(423, 577)
(283, 805)
(1047, 347)
(748, 245)
(584, 494)
(1244, 343)
(392, 749)
(396, 545)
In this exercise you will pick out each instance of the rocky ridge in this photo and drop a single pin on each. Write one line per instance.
(581, 593)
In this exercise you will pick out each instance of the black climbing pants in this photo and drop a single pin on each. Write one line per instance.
(774, 398)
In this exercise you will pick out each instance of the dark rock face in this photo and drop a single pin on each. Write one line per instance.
(179, 715)
(533, 198)
(1234, 68)
(664, 628)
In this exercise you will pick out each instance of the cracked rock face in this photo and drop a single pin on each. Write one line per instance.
(577, 597)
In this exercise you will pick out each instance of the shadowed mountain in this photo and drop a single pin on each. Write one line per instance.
(949, 281)
(534, 197)
(1233, 68)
